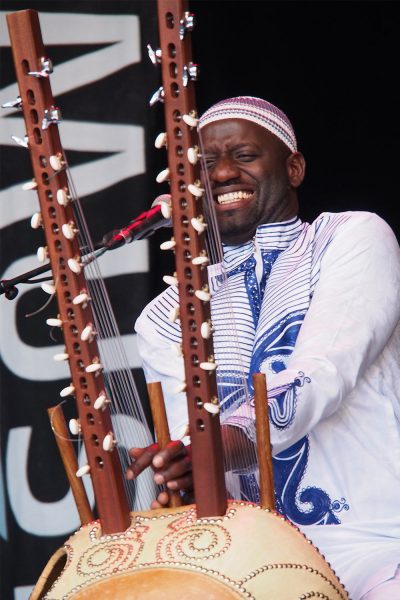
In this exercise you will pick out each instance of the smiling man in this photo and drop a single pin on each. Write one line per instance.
(318, 307)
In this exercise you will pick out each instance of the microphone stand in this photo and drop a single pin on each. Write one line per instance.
(8, 287)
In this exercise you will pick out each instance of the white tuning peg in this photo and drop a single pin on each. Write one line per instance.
(203, 294)
(174, 314)
(49, 288)
(54, 322)
(69, 230)
(211, 408)
(109, 442)
(42, 253)
(158, 96)
(170, 279)
(193, 155)
(74, 426)
(168, 245)
(63, 196)
(83, 471)
(201, 260)
(205, 329)
(94, 367)
(67, 391)
(198, 224)
(56, 161)
(161, 140)
(190, 119)
(180, 388)
(88, 333)
(210, 365)
(36, 220)
(163, 176)
(60, 357)
(154, 55)
(74, 265)
(101, 402)
(82, 298)
(177, 349)
(195, 189)
(29, 185)
(166, 209)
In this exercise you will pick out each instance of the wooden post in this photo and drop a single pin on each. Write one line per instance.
(267, 496)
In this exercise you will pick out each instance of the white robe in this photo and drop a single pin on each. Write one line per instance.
(334, 291)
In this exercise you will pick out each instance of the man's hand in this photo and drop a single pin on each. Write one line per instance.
(172, 466)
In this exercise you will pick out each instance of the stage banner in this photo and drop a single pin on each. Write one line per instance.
(102, 82)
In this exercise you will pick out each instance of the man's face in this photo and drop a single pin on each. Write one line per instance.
(250, 176)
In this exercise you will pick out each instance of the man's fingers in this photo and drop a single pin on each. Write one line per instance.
(171, 451)
(182, 483)
(142, 458)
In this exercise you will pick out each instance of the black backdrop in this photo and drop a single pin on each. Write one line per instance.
(332, 66)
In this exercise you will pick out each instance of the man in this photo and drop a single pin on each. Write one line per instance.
(318, 306)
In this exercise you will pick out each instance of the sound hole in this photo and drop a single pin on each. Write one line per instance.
(54, 228)
(189, 290)
(188, 273)
(200, 425)
(49, 195)
(73, 330)
(193, 342)
(34, 117)
(99, 462)
(80, 365)
(171, 50)
(192, 325)
(86, 399)
(43, 161)
(179, 151)
(83, 383)
(173, 70)
(169, 20)
(31, 97)
(184, 221)
(67, 297)
(174, 89)
(199, 402)
(25, 67)
(178, 132)
(37, 135)
(196, 381)
(52, 212)
(77, 348)
(45, 178)
(95, 440)
(57, 246)
(186, 255)
(195, 360)
(183, 204)
(180, 169)
(185, 237)
(90, 419)
(70, 314)
(190, 308)
(176, 115)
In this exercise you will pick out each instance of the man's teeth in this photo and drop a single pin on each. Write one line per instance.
(233, 197)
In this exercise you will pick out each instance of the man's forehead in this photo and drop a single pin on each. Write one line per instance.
(235, 133)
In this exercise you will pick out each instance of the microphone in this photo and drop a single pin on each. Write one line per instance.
(159, 215)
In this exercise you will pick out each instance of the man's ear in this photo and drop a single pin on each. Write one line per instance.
(296, 168)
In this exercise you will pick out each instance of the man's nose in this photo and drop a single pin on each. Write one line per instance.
(224, 170)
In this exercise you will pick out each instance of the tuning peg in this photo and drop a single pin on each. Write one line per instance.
(210, 365)
(181, 387)
(82, 298)
(193, 155)
(161, 140)
(201, 260)
(212, 407)
(57, 162)
(198, 224)
(154, 55)
(190, 73)
(36, 220)
(42, 253)
(174, 314)
(195, 189)
(74, 426)
(63, 196)
(24, 142)
(203, 294)
(190, 118)
(52, 322)
(67, 391)
(51, 116)
(17, 103)
(166, 207)
(168, 245)
(109, 442)
(49, 288)
(30, 185)
(206, 329)
(163, 176)
(61, 357)
(101, 402)
(170, 279)
(75, 265)
(46, 68)
(94, 367)
(83, 471)
(69, 230)
(186, 24)
(158, 96)
(88, 333)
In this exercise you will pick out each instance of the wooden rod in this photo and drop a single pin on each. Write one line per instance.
(161, 429)
(267, 496)
(70, 462)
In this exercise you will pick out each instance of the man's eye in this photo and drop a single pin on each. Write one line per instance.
(246, 157)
